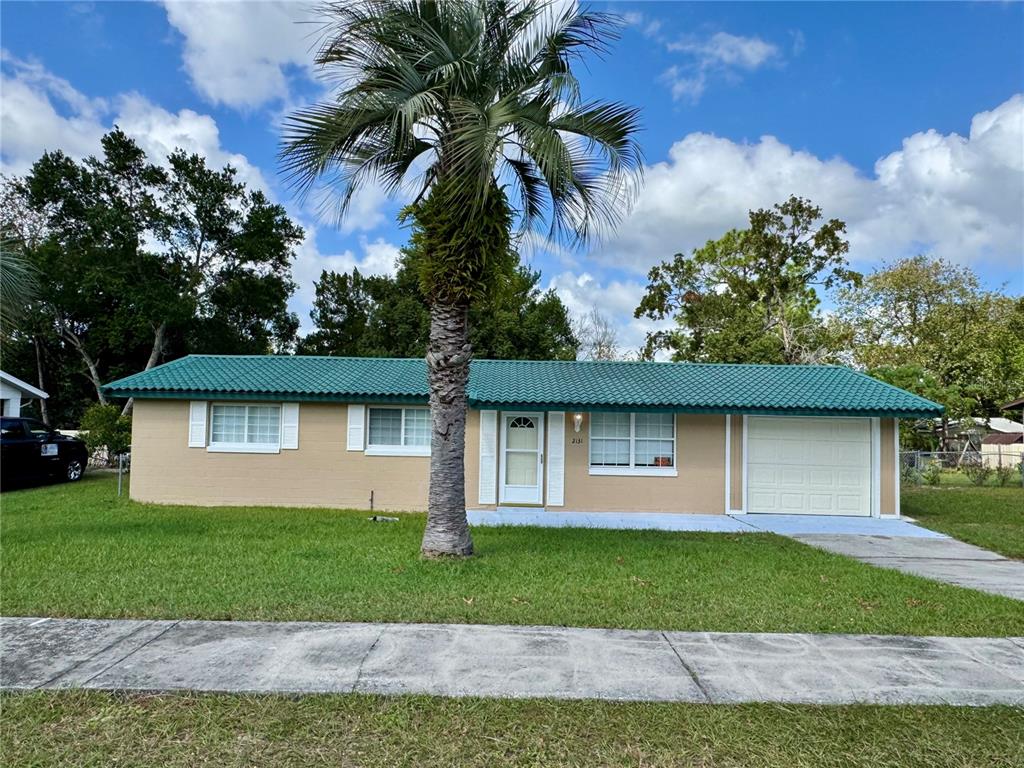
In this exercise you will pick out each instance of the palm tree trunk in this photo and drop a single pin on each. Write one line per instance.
(448, 355)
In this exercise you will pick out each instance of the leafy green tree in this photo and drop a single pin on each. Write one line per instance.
(469, 100)
(138, 261)
(520, 322)
(749, 297)
(90, 261)
(231, 249)
(963, 344)
(388, 317)
(106, 429)
(341, 312)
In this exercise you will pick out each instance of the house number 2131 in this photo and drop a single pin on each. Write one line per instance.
(577, 441)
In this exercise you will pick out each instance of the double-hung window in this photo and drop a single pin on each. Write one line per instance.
(398, 432)
(245, 428)
(632, 444)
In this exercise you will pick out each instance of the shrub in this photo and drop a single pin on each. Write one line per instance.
(106, 430)
(932, 473)
(909, 474)
(977, 472)
(1004, 475)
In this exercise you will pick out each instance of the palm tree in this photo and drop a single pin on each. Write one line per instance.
(469, 103)
(19, 282)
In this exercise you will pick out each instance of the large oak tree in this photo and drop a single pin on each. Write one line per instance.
(138, 261)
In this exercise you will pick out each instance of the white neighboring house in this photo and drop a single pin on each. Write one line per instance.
(13, 391)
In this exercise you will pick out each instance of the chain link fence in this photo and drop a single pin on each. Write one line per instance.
(994, 465)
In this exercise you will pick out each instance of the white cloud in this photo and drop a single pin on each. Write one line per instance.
(240, 53)
(160, 132)
(723, 54)
(648, 27)
(42, 112)
(728, 50)
(683, 86)
(615, 299)
(957, 197)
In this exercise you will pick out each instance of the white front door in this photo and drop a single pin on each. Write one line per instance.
(809, 466)
(522, 456)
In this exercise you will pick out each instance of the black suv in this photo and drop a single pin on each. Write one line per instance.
(33, 451)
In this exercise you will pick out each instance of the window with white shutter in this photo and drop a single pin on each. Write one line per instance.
(356, 417)
(197, 424)
(556, 459)
(488, 457)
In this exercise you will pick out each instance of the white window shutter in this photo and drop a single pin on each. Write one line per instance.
(197, 424)
(556, 459)
(290, 425)
(356, 420)
(488, 456)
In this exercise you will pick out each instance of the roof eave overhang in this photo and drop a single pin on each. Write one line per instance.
(342, 397)
(679, 408)
(291, 397)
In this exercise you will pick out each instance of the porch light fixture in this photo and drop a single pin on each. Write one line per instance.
(577, 421)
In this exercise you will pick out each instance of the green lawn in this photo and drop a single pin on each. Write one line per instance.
(989, 517)
(77, 550)
(104, 729)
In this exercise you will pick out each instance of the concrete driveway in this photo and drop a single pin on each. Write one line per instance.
(936, 558)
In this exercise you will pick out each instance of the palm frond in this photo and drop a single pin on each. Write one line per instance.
(476, 90)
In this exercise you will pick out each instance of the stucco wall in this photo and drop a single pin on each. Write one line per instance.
(320, 473)
(699, 486)
(735, 462)
(888, 466)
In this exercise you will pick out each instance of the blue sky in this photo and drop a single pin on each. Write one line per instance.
(905, 120)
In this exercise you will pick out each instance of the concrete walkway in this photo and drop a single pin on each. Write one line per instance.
(509, 662)
(940, 559)
(669, 521)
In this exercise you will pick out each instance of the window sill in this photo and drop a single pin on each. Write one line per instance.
(635, 471)
(242, 448)
(397, 450)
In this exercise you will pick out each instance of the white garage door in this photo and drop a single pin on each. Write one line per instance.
(804, 466)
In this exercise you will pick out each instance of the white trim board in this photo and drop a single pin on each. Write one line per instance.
(896, 468)
(876, 467)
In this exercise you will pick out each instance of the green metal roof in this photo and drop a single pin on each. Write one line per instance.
(522, 384)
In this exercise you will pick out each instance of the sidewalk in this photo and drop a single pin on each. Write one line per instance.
(509, 662)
